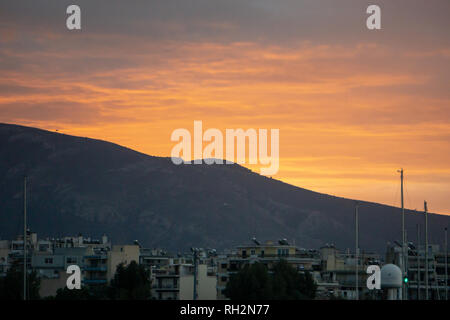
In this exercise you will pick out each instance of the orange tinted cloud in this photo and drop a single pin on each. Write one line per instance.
(350, 114)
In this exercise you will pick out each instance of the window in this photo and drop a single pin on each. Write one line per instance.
(252, 252)
(224, 265)
(71, 260)
(244, 253)
(48, 261)
(223, 279)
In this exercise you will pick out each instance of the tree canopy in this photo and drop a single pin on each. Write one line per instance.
(283, 282)
(11, 286)
(130, 282)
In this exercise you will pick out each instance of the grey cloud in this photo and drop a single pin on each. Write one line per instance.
(273, 21)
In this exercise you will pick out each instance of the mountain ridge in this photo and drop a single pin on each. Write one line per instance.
(93, 186)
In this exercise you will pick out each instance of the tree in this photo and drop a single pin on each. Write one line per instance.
(11, 286)
(251, 283)
(254, 282)
(74, 294)
(85, 293)
(130, 282)
(289, 284)
(308, 286)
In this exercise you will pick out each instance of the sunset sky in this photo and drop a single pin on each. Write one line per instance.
(352, 105)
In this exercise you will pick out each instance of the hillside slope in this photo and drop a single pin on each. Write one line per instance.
(95, 187)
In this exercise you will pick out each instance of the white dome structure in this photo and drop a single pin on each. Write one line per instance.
(391, 280)
(391, 277)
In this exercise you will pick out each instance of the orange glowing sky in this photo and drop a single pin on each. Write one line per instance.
(352, 105)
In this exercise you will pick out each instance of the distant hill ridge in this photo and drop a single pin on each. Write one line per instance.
(90, 186)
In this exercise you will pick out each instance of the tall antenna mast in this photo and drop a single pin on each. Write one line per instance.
(403, 260)
(195, 252)
(426, 249)
(356, 252)
(25, 238)
(418, 262)
(446, 270)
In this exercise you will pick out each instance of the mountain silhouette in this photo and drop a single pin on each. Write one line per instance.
(80, 185)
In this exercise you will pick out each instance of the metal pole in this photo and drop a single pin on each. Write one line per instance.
(403, 237)
(25, 239)
(406, 265)
(446, 271)
(418, 262)
(426, 249)
(195, 274)
(356, 253)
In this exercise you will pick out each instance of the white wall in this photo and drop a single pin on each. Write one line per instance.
(206, 288)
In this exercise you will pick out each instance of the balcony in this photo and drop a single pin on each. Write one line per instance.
(96, 257)
(94, 281)
(95, 268)
(167, 275)
(167, 288)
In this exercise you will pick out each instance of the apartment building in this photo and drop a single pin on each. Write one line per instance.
(267, 253)
(333, 271)
(51, 267)
(338, 273)
(4, 253)
(15, 251)
(176, 282)
(416, 270)
(154, 258)
(120, 254)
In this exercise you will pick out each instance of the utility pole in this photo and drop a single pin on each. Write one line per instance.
(403, 238)
(25, 238)
(426, 249)
(406, 264)
(356, 253)
(418, 262)
(195, 253)
(446, 271)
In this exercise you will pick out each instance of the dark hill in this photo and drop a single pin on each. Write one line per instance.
(95, 187)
